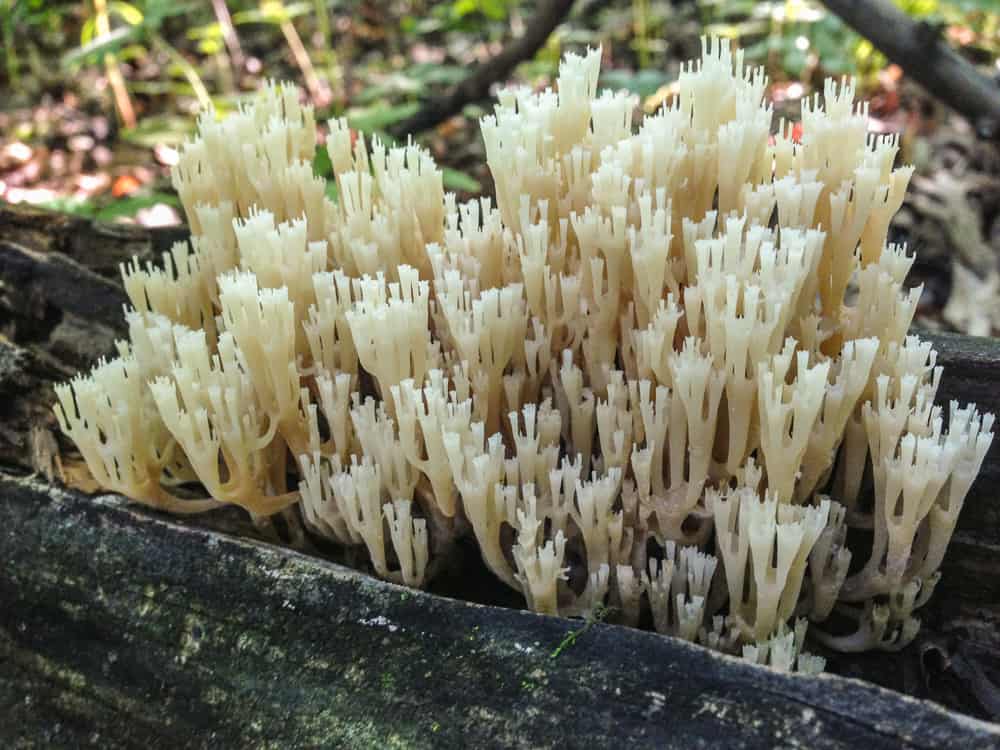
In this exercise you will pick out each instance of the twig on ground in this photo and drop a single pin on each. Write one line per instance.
(919, 50)
(476, 85)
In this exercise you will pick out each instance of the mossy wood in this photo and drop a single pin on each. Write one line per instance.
(101, 602)
(123, 629)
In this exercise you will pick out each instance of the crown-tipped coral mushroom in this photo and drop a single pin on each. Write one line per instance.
(112, 417)
(628, 381)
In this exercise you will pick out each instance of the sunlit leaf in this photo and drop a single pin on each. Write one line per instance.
(463, 8)
(88, 30)
(209, 46)
(126, 12)
(272, 13)
(495, 10)
(132, 52)
(206, 31)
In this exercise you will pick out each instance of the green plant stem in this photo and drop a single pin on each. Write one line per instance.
(229, 35)
(640, 10)
(304, 62)
(599, 614)
(322, 23)
(123, 103)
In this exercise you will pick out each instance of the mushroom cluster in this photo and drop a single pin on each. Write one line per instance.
(663, 376)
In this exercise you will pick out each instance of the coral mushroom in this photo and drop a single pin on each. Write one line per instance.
(632, 380)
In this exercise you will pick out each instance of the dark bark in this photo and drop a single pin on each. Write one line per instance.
(128, 630)
(476, 86)
(60, 309)
(926, 58)
(98, 245)
(972, 374)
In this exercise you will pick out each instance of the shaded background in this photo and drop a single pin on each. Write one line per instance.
(97, 96)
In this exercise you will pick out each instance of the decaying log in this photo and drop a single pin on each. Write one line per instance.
(112, 619)
(123, 629)
(100, 246)
(60, 309)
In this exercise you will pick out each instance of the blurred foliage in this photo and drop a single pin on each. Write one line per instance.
(797, 38)
(374, 61)
(468, 11)
(112, 210)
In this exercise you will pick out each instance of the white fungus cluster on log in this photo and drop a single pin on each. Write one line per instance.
(664, 376)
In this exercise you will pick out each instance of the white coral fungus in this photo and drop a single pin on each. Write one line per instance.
(629, 379)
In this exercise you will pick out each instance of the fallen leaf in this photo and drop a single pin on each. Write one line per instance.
(124, 185)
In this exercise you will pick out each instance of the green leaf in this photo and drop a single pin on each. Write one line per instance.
(130, 206)
(209, 46)
(207, 31)
(460, 182)
(435, 74)
(462, 8)
(88, 30)
(255, 15)
(322, 167)
(643, 82)
(380, 117)
(393, 86)
(159, 10)
(127, 12)
(495, 10)
(794, 61)
(132, 52)
(75, 206)
(272, 13)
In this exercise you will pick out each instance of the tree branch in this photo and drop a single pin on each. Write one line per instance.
(476, 86)
(926, 58)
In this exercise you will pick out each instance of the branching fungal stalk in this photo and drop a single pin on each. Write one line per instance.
(662, 340)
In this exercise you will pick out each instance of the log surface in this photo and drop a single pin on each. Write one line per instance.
(60, 309)
(122, 629)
